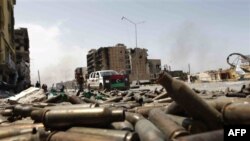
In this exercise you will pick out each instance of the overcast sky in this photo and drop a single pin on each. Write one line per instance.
(200, 32)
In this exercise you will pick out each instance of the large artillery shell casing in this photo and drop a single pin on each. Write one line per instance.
(175, 109)
(163, 95)
(22, 132)
(217, 135)
(190, 101)
(89, 100)
(72, 117)
(164, 100)
(55, 99)
(115, 134)
(193, 126)
(169, 128)
(147, 131)
(150, 95)
(133, 117)
(138, 98)
(114, 99)
(87, 105)
(221, 102)
(122, 125)
(23, 137)
(236, 113)
(9, 132)
(125, 99)
(42, 105)
(75, 99)
(120, 105)
(24, 111)
(7, 112)
(144, 110)
(70, 136)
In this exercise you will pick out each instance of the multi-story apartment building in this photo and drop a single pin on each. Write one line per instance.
(22, 57)
(122, 59)
(104, 58)
(154, 68)
(139, 64)
(7, 49)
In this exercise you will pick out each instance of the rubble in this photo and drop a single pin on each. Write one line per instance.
(177, 112)
(28, 96)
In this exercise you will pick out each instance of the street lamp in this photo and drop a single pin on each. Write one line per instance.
(135, 24)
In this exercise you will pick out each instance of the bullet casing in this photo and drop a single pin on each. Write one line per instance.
(77, 117)
(190, 101)
(116, 134)
(168, 127)
(217, 135)
(147, 131)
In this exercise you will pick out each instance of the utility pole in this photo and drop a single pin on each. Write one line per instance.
(189, 69)
(39, 77)
(135, 25)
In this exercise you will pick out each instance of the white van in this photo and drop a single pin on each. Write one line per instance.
(96, 78)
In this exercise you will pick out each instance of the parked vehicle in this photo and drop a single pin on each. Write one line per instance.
(108, 79)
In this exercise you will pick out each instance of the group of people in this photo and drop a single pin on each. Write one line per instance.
(44, 86)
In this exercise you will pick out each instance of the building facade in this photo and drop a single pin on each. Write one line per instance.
(105, 58)
(22, 57)
(121, 59)
(154, 68)
(7, 49)
(139, 64)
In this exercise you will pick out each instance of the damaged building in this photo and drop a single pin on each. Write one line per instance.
(125, 60)
(7, 48)
(14, 49)
(22, 57)
(154, 68)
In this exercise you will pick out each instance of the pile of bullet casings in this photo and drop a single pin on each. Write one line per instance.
(177, 114)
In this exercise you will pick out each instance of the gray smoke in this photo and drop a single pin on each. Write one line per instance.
(191, 46)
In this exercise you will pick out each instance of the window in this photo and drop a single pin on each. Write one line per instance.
(97, 75)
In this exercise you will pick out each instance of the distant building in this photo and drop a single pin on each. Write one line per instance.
(139, 64)
(22, 56)
(123, 60)
(91, 65)
(105, 58)
(7, 49)
(67, 85)
(154, 68)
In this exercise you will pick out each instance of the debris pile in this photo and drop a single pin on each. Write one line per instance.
(174, 112)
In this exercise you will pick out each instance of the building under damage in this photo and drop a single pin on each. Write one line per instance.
(22, 57)
(14, 49)
(124, 60)
(7, 47)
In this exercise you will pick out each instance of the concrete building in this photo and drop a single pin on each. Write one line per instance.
(91, 65)
(105, 58)
(22, 57)
(7, 50)
(139, 64)
(154, 68)
(123, 60)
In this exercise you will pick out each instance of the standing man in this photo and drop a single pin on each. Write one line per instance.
(79, 79)
(38, 84)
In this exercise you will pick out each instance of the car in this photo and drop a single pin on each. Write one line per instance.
(108, 79)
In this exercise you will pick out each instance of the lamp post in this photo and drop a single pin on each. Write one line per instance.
(135, 25)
